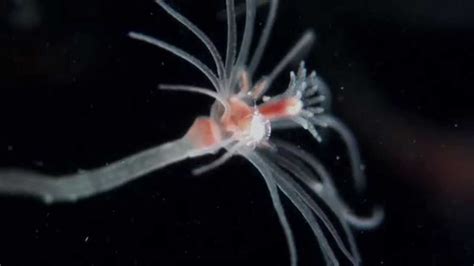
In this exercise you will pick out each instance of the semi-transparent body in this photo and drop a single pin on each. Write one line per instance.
(240, 122)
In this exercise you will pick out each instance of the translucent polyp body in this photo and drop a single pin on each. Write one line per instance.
(240, 122)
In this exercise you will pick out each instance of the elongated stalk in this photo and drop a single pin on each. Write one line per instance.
(89, 183)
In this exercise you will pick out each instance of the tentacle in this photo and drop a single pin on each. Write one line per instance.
(268, 172)
(199, 90)
(272, 187)
(265, 35)
(231, 50)
(245, 44)
(328, 193)
(285, 181)
(303, 43)
(180, 53)
(248, 33)
(351, 144)
(201, 35)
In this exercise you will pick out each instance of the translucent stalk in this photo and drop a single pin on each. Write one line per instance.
(89, 183)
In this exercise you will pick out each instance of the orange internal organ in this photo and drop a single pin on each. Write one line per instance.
(204, 133)
(274, 110)
(238, 118)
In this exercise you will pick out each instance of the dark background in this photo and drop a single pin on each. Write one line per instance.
(76, 93)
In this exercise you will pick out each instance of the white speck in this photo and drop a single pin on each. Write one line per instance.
(456, 125)
(342, 88)
(9, 148)
(86, 239)
(337, 157)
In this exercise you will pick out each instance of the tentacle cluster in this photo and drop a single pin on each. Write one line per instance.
(313, 97)
(245, 123)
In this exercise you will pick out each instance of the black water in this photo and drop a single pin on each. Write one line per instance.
(76, 93)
